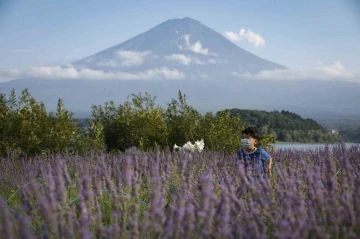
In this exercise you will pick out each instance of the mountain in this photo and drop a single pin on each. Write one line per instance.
(184, 44)
(183, 54)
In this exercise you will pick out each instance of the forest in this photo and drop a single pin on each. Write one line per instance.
(286, 126)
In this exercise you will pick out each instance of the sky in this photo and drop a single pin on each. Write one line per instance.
(300, 34)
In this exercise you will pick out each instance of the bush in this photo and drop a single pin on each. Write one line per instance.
(27, 129)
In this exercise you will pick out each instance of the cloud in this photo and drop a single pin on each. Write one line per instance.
(69, 72)
(320, 63)
(54, 72)
(185, 60)
(321, 72)
(132, 58)
(9, 74)
(254, 38)
(179, 58)
(197, 47)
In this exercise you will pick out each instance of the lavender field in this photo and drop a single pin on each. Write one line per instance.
(310, 194)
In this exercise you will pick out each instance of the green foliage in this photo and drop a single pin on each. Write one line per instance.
(182, 121)
(351, 135)
(339, 124)
(285, 126)
(266, 141)
(136, 123)
(27, 129)
(221, 132)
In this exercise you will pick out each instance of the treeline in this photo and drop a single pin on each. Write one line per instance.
(348, 129)
(286, 126)
(340, 124)
(351, 135)
(27, 129)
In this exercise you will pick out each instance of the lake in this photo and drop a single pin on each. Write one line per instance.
(283, 145)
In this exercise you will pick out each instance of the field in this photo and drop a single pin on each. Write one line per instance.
(310, 194)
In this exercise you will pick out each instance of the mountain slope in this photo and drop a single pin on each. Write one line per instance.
(184, 44)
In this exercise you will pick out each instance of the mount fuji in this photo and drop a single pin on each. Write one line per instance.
(183, 54)
(185, 46)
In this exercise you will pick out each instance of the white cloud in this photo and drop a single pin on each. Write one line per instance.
(321, 72)
(232, 36)
(179, 58)
(320, 63)
(254, 38)
(53, 72)
(197, 47)
(57, 72)
(132, 58)
(185, 60)
(9, 74)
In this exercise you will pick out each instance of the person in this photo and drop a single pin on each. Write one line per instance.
(257, 158)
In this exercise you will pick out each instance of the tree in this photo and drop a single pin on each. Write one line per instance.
(136, 123)
(27, 129)
(221, 132)
(182, 121)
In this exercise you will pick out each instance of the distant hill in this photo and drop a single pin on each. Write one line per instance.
(285, 125)
(339, 124)
(349, 129)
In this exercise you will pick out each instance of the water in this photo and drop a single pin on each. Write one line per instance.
(307, 146)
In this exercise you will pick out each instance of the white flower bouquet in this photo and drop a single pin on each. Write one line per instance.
(198, 146)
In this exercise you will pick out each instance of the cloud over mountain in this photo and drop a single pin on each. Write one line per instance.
(132, 58)
(69, 72)
(196, 47)
(335, 71)
(253, 38)
(179, 58)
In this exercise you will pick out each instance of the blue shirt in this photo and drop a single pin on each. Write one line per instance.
(258, 158)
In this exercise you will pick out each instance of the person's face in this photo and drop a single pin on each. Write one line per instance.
(251, 141)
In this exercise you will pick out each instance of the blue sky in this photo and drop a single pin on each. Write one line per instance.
(297, 34)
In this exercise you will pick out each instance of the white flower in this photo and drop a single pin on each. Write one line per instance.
(189, 146)
(199, 146)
